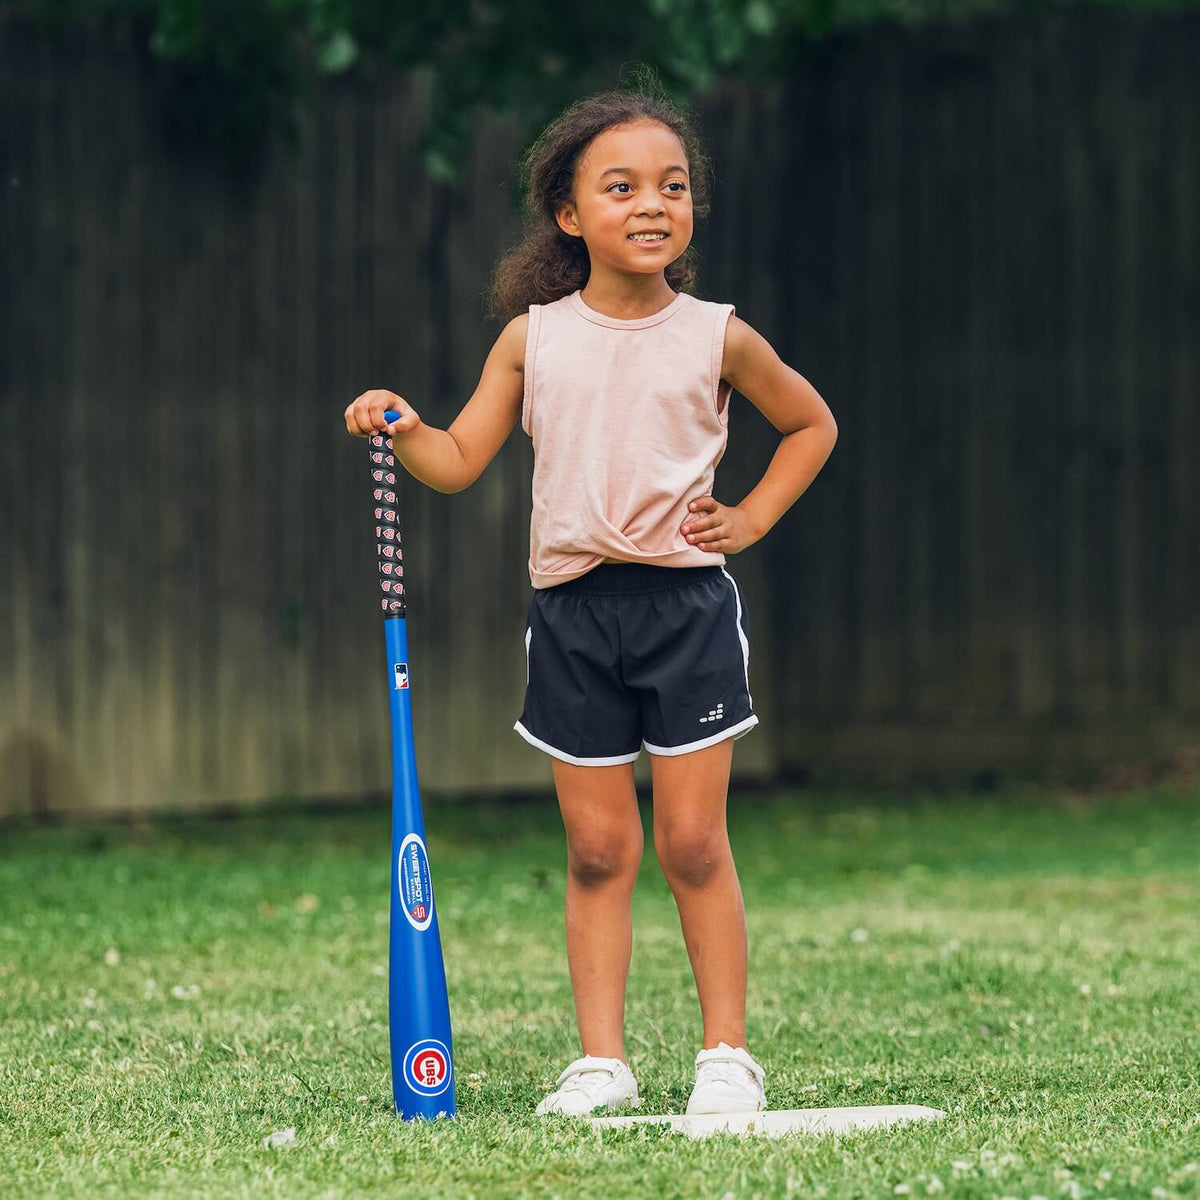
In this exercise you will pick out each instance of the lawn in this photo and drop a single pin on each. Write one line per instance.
(172, 994)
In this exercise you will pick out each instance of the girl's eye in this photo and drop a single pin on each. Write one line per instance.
(673, 183)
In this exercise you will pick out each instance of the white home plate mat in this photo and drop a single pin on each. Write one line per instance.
(775, 1122)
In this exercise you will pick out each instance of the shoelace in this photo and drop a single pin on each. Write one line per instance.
(576, 1082)
(726, 1070)
(572, 1079)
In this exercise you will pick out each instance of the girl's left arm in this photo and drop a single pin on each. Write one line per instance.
(809, 431)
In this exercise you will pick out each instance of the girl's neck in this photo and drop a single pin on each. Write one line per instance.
(626, 301)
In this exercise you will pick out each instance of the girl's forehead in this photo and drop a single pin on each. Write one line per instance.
(646, 145)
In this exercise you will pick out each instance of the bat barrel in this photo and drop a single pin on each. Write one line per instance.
(418, 1004)
(387, 523)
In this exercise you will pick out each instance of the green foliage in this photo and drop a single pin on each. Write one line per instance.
(234, 70)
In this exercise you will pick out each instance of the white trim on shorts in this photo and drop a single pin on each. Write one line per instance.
(741, 636)
(734, 731)
(615, 760)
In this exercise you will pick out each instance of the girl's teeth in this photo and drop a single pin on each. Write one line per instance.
(642, 238)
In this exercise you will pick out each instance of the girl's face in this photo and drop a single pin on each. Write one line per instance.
(632, 178)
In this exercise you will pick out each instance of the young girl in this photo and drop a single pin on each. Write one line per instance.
(637, 632)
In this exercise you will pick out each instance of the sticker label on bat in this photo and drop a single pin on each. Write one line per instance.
(427, 1067)
(416, 888)
(399, 671)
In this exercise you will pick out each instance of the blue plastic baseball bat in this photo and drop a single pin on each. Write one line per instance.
(418, 1006)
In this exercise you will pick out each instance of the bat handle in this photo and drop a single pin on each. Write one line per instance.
(387, 522)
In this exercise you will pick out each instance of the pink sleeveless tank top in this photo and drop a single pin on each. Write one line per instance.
(629, 419)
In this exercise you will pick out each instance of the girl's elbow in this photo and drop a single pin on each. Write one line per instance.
(461, 482)
(829, 425)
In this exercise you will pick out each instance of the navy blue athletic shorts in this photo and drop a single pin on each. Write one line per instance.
(633, 654)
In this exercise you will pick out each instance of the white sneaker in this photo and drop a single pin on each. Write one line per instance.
(588, 1083)
(728, 1080)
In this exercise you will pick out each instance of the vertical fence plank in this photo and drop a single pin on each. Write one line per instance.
(24, 291)
(840, 667)
(1182, 396)
(92, 648)
(1033, 124)
(932, 431)
(1088, 580)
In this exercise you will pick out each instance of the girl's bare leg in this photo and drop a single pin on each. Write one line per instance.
(692, 844)
(604, 850)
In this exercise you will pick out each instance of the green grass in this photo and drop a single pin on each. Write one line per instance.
(170, 995)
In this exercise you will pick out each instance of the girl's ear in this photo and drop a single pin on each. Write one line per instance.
(566, 220)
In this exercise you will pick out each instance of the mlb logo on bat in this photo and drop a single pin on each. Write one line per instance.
(400, 670)
(427, 1067)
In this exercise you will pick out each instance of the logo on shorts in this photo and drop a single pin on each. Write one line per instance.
(427, 1067)
(715, 714)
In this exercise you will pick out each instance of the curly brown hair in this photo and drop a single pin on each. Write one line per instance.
(548, 263)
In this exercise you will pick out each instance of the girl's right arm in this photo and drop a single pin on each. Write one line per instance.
(449, 460)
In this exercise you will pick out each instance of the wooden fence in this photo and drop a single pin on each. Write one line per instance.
(979, 243)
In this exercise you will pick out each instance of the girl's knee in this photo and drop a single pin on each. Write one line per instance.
(601, 851)
(690, 855)
(602, 821)
(596, 861)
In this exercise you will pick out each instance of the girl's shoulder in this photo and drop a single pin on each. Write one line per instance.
(510, 344)
(710, 303)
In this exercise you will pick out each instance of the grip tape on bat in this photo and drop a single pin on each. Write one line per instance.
(387, 522)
